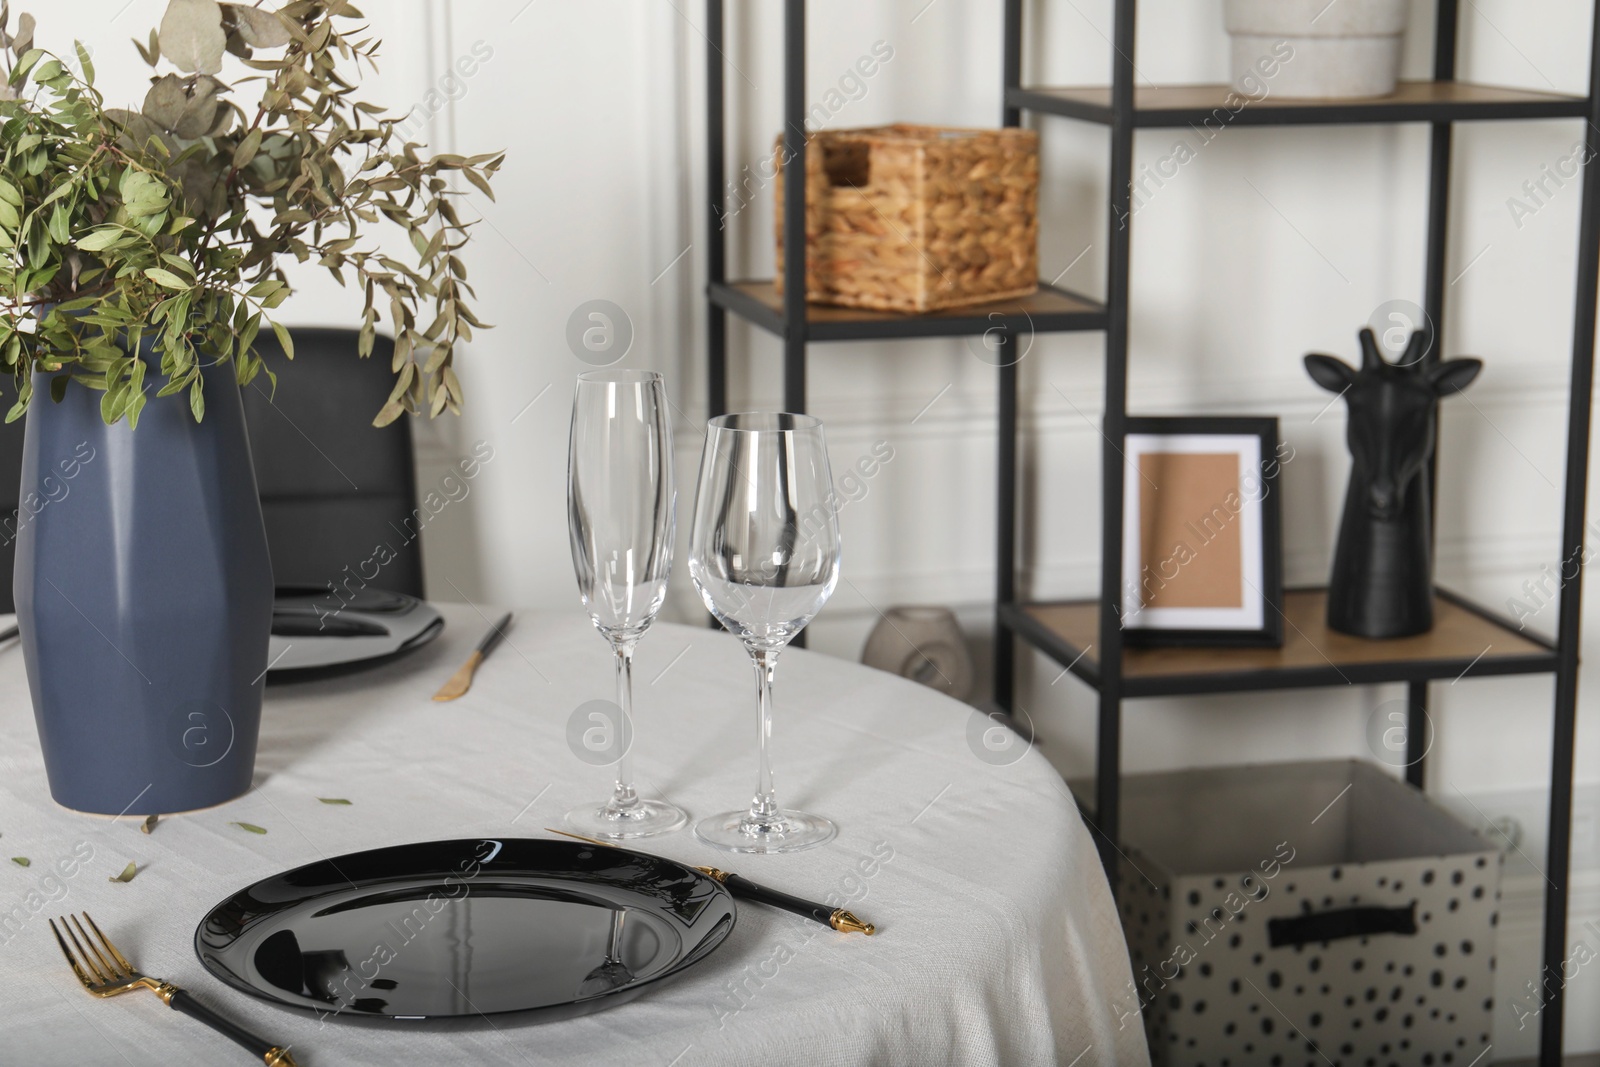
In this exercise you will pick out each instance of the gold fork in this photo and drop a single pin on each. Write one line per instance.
(107, 977)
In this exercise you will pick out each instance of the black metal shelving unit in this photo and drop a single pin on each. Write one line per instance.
(1085, 636)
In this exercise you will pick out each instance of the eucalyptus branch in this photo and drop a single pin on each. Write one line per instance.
(125, 225)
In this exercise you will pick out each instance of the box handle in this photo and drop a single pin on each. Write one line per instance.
(1341, 923)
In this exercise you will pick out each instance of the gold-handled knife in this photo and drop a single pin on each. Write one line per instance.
(461, 681)
(744, 888)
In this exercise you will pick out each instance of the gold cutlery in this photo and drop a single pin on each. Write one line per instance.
(461, 681)
(745, 889)
(107, 977)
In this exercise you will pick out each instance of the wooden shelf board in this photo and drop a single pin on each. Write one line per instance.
(1048, 310)
(1412, 101)
(1463, 641)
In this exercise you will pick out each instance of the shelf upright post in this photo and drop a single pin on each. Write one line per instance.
(1006, 525)
(1417, 732)
(716, 221)
(1108, 756)
(794, 205)
(1569, 621)
(1444, 69)
(1445, 34)
(1006, 452)
(794, 214)
(1011, 62)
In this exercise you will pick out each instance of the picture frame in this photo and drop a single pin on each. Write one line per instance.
(1202, 560)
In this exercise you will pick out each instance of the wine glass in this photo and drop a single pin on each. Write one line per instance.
(621, 514)
(764, 555)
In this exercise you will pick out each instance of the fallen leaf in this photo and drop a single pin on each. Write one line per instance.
(149, 823)
(22, 861)
(333, 800)
(127, 873)
(252, 827)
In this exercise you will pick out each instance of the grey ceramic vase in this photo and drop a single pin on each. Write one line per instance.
(924, 644)
(144, 596)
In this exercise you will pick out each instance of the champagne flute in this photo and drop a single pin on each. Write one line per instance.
(621, 514)
(764, 555)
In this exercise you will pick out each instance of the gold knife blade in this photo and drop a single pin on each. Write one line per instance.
(459, 682)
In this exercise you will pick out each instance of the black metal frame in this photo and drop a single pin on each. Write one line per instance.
(1122, 115)
(1117, 110)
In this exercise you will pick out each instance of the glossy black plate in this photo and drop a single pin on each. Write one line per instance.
(455, 929)
(315, 630)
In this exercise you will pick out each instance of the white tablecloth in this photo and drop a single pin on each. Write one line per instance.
(997, 939)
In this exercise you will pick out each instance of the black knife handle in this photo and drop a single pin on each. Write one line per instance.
(270, 1054)
(748, 890)
(496, 634)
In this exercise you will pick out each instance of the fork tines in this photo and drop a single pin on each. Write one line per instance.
(109, 972)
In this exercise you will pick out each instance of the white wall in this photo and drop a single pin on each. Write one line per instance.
(600, 108)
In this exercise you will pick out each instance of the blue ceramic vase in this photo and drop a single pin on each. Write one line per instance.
(144, 596)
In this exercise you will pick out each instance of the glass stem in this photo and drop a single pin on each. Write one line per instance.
(624, 798)
(764, 816)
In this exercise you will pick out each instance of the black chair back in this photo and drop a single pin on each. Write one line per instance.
(338, 495)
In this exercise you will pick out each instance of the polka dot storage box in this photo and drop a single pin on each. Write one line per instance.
(1304, 913)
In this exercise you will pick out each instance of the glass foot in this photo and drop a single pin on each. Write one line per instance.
(645, 819)
(794, 832)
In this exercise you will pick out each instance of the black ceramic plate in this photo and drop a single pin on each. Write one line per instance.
(312, 629)
(453, 929)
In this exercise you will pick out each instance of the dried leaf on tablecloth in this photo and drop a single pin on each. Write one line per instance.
(127, 873)
(333, 800)
(149, 823)
(22, 861)
(250, 826)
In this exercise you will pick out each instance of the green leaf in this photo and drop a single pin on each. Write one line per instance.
(22, 861)
(127, 873)
(247, 149)
(191, 35)
(284, 339)
(84, 61)
(259, 28)
(60, 224)
(25, 63)
(197, 406)
(333, 800)
(389, 412)
(480, 181)
(251, 827)
(101, 239)
(10, 194)
(166, 278)
(149, 823)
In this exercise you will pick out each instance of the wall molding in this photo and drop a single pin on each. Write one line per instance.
(1054, 406)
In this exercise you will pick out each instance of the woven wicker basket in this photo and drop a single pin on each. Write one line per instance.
(915, 218)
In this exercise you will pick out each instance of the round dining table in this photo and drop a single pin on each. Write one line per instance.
(997, 938)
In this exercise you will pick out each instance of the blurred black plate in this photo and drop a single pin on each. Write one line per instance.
(314, 629)
(454, 929)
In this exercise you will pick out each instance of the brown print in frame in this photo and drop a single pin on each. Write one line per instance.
(1184, 496)
(1202, 553)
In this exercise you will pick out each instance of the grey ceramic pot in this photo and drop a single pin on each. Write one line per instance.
(144, 596)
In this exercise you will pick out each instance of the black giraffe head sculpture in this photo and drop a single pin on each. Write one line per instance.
(1382, 582)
